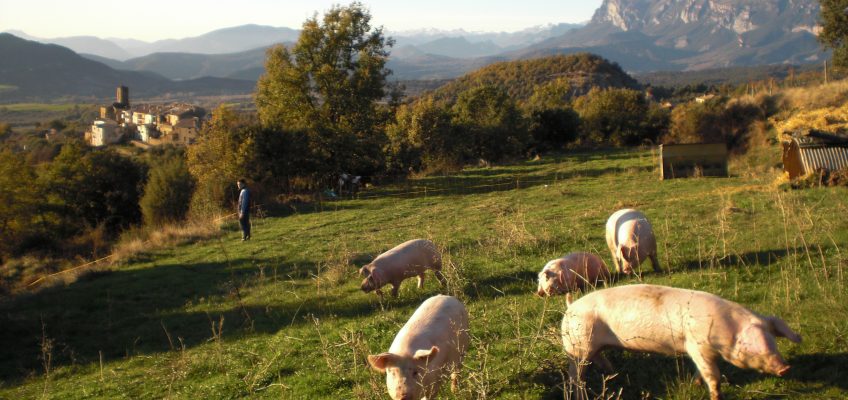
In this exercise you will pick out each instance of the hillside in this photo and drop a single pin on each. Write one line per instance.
(282, 316)
(183, 66)
(47, 72)
(519, 78)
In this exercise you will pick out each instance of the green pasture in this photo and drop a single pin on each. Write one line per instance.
(282, 316)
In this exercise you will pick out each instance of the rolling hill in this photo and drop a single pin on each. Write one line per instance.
(520, 78)
(46, 71)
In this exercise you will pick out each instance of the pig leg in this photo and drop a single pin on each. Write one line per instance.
(395, 287)
(603, 363)
(421, 280)
(577, 379)
(655, 263)
(441, 277)
(708, 369)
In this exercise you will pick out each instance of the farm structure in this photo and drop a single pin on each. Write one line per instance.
(696, 159)
(805, 154)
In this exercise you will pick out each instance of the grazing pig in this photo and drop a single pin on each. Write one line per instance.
(429, 347)
(631, 240)
(408, 259)
(661, 319)
(572, 272)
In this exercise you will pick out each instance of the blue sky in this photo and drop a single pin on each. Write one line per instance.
(151, 20)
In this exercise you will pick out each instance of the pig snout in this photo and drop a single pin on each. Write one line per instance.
(541, 292)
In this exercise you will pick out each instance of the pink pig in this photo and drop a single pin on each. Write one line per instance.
(429, 347)
(661, 319)
(631, 240)
(572, 272)
(408, 259)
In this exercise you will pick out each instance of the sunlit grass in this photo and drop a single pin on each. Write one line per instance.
(282, 316)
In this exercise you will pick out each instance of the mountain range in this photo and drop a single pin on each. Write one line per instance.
(640, 35)
(43, 72)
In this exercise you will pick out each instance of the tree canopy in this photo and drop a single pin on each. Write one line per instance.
(834, 35)
(329, 85)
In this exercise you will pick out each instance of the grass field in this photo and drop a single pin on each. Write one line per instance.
(281, 316)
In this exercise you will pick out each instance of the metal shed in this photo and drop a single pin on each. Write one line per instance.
(696, 159)
(804, 154)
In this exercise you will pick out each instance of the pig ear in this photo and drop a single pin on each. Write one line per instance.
(364, 271)
(779, 328)
(376, 276)
(561, 275)
(426, 354)
(752, 340)
(627, 253)
(381, 361)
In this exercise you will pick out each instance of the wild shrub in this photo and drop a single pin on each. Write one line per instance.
(167, 194)
(617, 117)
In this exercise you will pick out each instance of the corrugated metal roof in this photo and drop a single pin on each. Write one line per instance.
(830, 157)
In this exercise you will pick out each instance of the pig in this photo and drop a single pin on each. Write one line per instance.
(571, 272)
(408, 259)
(429, 347)
(631, 240)
(666, 320)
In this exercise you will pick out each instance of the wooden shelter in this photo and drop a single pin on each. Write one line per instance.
(696, 159)
(806, 153)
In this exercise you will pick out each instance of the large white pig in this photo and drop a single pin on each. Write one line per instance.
(661, 319)
(428, 348)
(572, 272)
(631, 240)
(408, 259)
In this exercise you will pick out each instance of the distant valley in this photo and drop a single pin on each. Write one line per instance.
(641, 36)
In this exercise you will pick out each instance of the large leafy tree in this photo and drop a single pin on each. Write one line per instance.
(18, 201)
(491, 123)
(86, 188)
(422, 138)
(223, 154)
(328, 85)
(167, 194)
(834, 21)
(615, 116)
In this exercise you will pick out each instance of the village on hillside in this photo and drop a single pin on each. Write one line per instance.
(145, 125)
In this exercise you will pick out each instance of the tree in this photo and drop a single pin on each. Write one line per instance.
(422, 138)
(614, 116)
(328, 85)
(553, 128)
(221, 155)
(834, 34)
(167, 194)
(491, 125)
(18, 201)
(86, 188)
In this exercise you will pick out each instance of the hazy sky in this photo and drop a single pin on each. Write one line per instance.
(151, 20)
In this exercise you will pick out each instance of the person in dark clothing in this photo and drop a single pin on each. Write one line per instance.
(244, 209)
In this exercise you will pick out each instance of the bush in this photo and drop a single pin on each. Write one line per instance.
(168, 192)
(490, 124)
(553, 128)
(618, 117)
(422, 138)
(733, 122)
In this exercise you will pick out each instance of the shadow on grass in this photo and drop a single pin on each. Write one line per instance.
(506, 284)
(655, 374)
(763, 258)
(151, 310)
(827, 370)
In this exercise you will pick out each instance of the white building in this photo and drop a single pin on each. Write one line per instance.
(103, 132)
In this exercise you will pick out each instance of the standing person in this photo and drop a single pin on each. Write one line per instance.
(244, 209)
